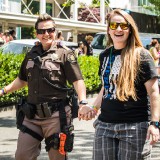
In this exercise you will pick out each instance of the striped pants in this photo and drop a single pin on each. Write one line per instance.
(120, 141)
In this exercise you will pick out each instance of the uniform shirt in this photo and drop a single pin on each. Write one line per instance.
(113, 110)
(56, 65)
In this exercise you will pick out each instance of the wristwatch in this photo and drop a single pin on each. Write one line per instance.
(156, 124)
(83, 102)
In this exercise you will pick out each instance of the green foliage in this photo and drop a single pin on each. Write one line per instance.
(10, 65)
(89, 66)
(28, 33)
(68, 3)
(96, 3)
(155, 6)
(9, 68)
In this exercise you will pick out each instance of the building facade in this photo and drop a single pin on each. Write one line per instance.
(19, 13)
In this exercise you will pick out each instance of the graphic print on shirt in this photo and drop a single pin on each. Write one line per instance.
(110, 71)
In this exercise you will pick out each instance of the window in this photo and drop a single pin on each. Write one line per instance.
(34, 7)
(142, 2)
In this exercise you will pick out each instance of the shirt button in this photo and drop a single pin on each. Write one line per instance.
(35, 92)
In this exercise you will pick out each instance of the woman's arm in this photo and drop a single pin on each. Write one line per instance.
(98, 100)
(85, 50)
(153, 92)
(155, 54)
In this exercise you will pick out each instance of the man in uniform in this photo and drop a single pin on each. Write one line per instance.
(46, 70)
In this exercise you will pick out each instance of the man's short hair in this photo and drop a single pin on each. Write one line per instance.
(42, 18)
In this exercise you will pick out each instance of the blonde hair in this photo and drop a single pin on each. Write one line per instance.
(89, 38)
(130, 58)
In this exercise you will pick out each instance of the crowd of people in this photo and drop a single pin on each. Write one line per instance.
(127, 121)
(7, 36)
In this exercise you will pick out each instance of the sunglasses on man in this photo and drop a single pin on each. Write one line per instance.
(114, 25)
(48, 30)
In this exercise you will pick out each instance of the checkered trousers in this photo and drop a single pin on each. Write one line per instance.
(123, 141)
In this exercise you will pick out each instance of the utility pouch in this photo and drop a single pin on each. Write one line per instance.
(43, 110)
(69, 142)
(69, 138)
(28, 110)
(19, 112)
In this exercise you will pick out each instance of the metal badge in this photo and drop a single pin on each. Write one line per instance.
(30, 64)
(71, 57)
(54, 56)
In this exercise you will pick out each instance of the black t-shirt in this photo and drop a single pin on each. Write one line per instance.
(113, 110)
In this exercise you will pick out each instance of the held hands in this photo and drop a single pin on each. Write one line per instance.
(153, 134)
(86, 112)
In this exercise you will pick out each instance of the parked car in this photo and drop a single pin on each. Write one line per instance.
(23, 45)
(100, 40)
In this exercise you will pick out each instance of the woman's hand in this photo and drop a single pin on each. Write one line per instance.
(86, 112)
(153, 134)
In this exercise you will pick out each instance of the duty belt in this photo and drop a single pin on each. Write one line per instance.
(45, 110)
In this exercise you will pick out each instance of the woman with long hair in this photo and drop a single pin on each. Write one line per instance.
(128, 78)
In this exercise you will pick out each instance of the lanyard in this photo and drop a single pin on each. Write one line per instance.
(110, 58)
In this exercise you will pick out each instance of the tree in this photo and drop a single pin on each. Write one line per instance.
(97, 2)
(155, 6)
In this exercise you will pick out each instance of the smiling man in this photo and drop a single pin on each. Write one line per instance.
(47, 113)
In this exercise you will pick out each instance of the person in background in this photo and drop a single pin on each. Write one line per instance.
(125, 128)
(46, 113)
(12, 35)
(154, 51)
(1, 39)
(60, 36)
(88, 50)
(80, 51)
(6, 37)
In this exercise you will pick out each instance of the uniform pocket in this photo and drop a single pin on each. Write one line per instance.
(51, 70)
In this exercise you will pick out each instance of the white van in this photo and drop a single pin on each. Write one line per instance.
(100, 40)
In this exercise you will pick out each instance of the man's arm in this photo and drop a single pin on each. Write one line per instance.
(15, 85)
(153, 92)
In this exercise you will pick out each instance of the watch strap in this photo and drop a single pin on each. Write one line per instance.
(155, 123)
(83, 102)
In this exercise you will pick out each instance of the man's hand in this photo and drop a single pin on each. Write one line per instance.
(86, 112)
(153, 134)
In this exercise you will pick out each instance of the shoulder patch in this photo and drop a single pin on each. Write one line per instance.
(71, 57)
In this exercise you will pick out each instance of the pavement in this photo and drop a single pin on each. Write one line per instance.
(84, 134)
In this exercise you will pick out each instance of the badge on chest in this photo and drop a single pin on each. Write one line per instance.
(30, 64)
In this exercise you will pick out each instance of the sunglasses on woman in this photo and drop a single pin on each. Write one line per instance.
(48, 30)
(114, 25)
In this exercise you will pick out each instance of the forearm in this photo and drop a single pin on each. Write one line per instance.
(153, 92)
(80, 89)
(98, 100)
(85, 50)
(155, 106)
(15, 85)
